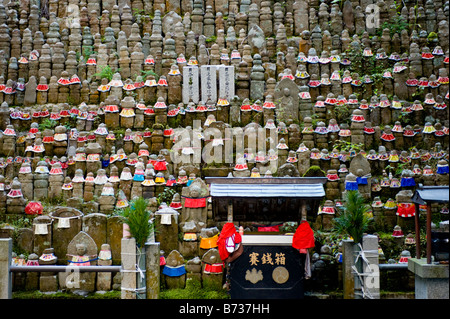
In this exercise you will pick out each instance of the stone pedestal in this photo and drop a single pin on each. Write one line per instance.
(129, 280)
(431, 279)
(104, 279)
(5, 263)
(168, 233)
(48, 281)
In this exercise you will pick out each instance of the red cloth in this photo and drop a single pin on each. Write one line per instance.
(269, 228)
(34, 208)
(160, 166)
(228, 230)
(303, 237)
(194, 202)
(406, 209)
(175, 205)
(214, 268)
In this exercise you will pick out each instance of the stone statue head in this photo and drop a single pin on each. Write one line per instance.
(81, 249)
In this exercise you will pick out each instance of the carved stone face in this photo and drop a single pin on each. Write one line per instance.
(286, 92)
(194, 193)
(81, 250)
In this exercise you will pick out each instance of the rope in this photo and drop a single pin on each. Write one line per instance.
(137, 291)
(137, 269)
(362, 254)
(142, 289)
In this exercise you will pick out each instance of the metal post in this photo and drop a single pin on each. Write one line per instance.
(5, 264)
(428, 233)
(417, 228)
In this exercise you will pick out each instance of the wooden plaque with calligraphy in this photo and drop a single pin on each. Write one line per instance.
(268, 272)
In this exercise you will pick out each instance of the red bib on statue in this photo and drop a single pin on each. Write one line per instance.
(194, 202)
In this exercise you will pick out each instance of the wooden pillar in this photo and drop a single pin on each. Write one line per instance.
(347, 272)
(428, 233)
(230, 211)
(304, 212)
(417, 227)
(152, 269)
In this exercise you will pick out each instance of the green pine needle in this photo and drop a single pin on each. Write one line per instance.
(353, 221)
(137, 217)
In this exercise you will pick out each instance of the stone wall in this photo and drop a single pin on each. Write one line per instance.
(97, 96)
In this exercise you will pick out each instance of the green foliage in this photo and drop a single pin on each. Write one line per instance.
(315, 119)
(18, 222)
(342, 113)
(341, 145)
(165, 196)
(432, 36)
(395, 25)
(366, 66)
(88, 51)
(119, 133)
(353, 221)
(211, 39)
(396, 169)
(289, 227)
(137, 217)
(404, 118)
(149, 72)
(193, 290)
(49, 203)
(36, 294)
(47, 124)
(328, 238)
(105, 72)
(314, 171)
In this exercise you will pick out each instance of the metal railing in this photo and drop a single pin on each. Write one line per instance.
(393, 266)
(63, 268)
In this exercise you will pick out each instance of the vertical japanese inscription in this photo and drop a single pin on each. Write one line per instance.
(191, 90)
(226, 82)
(209, 83)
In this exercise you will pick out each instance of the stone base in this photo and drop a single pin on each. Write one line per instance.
(175, 282)
(104, 280)
(189, 249)
(431, 279)
(48, 283)
(212, 281)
